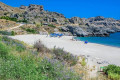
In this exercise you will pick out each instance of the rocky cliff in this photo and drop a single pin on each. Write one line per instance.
(95, 26)
(35, 14)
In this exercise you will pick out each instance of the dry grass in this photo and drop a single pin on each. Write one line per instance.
(6, 24)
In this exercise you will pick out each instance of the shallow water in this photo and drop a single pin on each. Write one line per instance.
(112, 40)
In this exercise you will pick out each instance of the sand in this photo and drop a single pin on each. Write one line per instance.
(94, 52)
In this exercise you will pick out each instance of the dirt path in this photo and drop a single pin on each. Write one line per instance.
(15, 27)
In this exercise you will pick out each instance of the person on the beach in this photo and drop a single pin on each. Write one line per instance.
(86, 42)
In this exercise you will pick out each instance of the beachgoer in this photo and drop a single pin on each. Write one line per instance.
(86, 42)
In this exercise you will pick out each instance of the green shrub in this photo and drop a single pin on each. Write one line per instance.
(9, 18)
(31, 30)
(112, 71)
(51, 25)
(13, 33)
(13, 19)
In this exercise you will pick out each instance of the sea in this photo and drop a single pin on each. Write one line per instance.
(112, 40)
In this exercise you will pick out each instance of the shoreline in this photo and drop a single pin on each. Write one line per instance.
(105, 53)
(99, 43)
(110, 41)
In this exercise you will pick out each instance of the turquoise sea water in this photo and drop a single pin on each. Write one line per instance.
(112, 40)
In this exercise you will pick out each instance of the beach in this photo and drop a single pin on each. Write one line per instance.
(94, 52)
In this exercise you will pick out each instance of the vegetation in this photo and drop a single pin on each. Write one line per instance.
(16, 64)
(113, 72)
(59, 53)
(83, 63)
(13, 33)
(40, 47)
(64, 56)
(31, 30)
(24, 20)
(15, 44)
(5, 33)
(13, 19)
(51, 25)
(39, 25)
(9, 18)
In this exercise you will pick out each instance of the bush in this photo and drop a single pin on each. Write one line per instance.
(13, 33)
(65, 56)
(5, 33)
(31, 31)
(51, 25)
(9, 18)
(112, 71)
(40, 47)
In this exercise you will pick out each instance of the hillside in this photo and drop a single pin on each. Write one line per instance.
(6, 24)
(8, 10)
(36, 15)
(20, 62)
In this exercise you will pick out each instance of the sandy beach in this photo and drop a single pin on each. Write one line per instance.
(95, 52)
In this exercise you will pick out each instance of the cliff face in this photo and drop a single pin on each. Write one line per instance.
(95, 26)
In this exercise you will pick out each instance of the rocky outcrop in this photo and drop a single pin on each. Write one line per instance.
(76, 20)
(75, 30)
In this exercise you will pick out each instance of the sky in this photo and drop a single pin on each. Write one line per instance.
(72, 8)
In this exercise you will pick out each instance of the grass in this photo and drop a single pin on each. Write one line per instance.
(18, 46)
(23, 65)
(3, 50)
